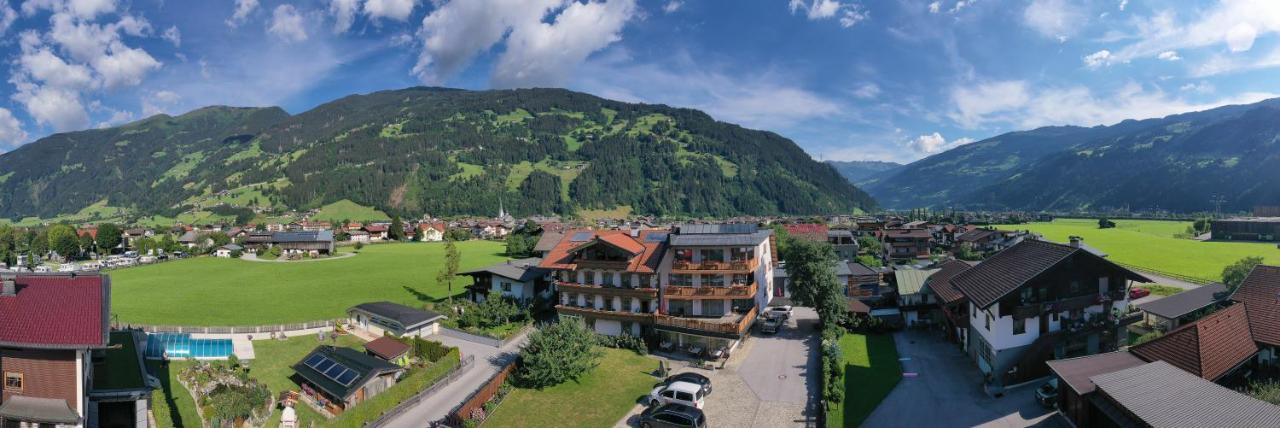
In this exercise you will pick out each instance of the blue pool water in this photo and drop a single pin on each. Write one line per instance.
(180, 345)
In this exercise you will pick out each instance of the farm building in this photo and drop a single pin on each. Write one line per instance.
(1246, 228)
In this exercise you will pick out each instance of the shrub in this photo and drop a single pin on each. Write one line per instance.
(274, 252)
(624, 341)
(359, 246)
(1268, 391)
(1147, 337)
(832, 371)
(557, 353)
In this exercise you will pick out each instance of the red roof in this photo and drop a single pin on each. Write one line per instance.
(645, 253)
(1208, 348)
(437, 226)
(56, 311)
(809, 231)
(387, 348)
(1260, 293)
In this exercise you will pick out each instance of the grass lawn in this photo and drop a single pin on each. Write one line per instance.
(273, 364)
(871, 371)
(229, 292)
(1150, 244)
(598, 399)
(1161, 290)
(172, 404)
(347, 210)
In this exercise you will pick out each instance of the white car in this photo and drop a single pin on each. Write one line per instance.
(781, 312)
(686, 393)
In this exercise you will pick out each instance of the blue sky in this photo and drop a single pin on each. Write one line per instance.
(883, 80)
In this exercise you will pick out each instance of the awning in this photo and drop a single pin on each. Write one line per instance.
(38, 410)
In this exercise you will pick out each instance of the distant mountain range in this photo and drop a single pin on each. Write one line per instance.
(860, 172)
(424, 150)
(1181, 163)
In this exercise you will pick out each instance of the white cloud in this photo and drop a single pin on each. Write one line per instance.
(287, 24)
(960, 5)
(546, 40)
(88, 9)
(1073, 105)
(935, 7)
(58, 108)
(1240, 37)
(1098, 59)
(160, 102)
(344, 14)
(1053, 18)
(241, 13)
(867, 90)
(1233, 23)
(398, 10)
(11, 133)
(672, 6)
(172, 35)
(1224, 64)
(1201, 87)
(850, 13)
(124, 66)
(928, 144)
(1123, 4)
(1169, 56)
(43, 66)
(7, 17)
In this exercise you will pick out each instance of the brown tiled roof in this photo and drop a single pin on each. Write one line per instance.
(547, 241)
(907, 233)
(1260, 293)
(975, 235)
(387, 348)
(646, 253)
(1014, 266)
(940, 281)
(810, 231)
(856, 306)
(1208, 348)
(1077, 371)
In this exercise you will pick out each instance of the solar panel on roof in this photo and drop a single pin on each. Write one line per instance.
(323, 365)
(656, 237)
(581, 236)
(315, 359)
(346, 378)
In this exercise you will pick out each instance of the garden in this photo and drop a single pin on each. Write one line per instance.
(210, 291)
(869, 369)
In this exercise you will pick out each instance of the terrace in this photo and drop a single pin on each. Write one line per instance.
(732, 324)
(737, 291)
(607, 290)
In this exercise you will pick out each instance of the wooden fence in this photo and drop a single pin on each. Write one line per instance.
(1180, 277)
(481, 396)
(277, 328)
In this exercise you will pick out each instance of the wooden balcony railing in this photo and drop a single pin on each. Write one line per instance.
(644, 293)
(736, 328)
(706, 292)
(602, 264)
(735, 266)
(645, 317)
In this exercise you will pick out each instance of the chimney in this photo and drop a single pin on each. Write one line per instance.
(635, 230)
(9, 288)
(1075, 241)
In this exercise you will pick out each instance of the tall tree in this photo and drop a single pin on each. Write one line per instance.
(109, 237)
(86, 242)
(811, 275)
(450, 269)
(39, 244)
(8, 245)
(1234, 273)
(396, 230)
(558, 353)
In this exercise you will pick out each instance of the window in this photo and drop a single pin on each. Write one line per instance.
(684, 396)
(506, 286)
(1019, 325)
(713, 255)
(1055, 317)
(713, 308)
(13, 381)
(988, 320)
(1075, 287)
(673, 419)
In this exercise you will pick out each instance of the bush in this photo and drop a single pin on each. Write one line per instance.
(1147, 337)
(359, 246)
(557, 353)
(274, 252)
(624, 341)
(1268, 391)
(868, 325)
(832, 372)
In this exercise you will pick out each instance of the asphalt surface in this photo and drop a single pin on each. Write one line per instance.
(489, 361)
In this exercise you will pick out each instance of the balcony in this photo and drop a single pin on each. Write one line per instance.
(734, 325)
(602, 264)
(685, 266)
(736, 291)
(591, 312)
(643, 293)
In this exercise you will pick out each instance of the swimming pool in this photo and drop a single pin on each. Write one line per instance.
(182, 345)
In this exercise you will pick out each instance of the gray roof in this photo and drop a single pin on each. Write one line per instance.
(303, 236)
(860, 269)
(189, 237)
(1077, 371)
(40, 410)
(520, 269)
(839, 232)
(910, 281)
(842, 269)
(1186, 302)
(1162, 395)
(406, 316)
(232, 247)
(717, 229)
(547, 241)
(365, 366)
(726, 239)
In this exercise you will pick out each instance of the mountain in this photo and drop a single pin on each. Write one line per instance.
(859, 172)
(1178, 163)
(426, 150)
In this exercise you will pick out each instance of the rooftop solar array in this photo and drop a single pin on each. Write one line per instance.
(581, 237)
(332, 369)
(655, 237)
(733, 228)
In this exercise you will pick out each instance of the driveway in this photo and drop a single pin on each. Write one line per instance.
(946, 391)
(489, 361)
(767, 382)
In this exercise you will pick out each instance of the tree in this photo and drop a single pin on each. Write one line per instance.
(1103, 223)
(518, 245)
(109, 237)
(396, 230)
(86, 242)
(811, 272)
(870, 245)
(783, 238)
(39, 243)
(457, 234)
(219, 239)
(558, 353)
(1234, 273)
(63, 240)
(1268, 391)
(1147, 338)
(450, 269)
(8, 245)
(870, 261)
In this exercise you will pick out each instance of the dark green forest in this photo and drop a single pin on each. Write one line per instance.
(422, 150)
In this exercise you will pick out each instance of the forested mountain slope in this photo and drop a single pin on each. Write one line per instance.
(428, 150)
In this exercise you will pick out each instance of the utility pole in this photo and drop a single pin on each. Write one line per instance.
(1217, 201)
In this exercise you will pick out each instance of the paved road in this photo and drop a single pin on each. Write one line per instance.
(947, 391)
(489, 361)
(1164, 280)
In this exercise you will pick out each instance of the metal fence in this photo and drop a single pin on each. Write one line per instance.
(277, 328)
(482, 339)
(405, 405)
(1180, 277)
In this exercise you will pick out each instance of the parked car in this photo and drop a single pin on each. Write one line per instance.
(685, 393)
(690, 377)
(770, 325)
(781, 312)
(672, 415)
(1138, 293)
(1047, 394)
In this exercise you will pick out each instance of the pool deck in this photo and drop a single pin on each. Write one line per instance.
(243, 348)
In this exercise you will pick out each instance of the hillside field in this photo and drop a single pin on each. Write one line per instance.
(209, 291)
(1150, 244)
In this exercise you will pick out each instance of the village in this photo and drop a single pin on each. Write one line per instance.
(1005, 326)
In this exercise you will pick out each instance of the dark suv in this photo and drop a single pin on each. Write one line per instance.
(672, 416)
(690, 377)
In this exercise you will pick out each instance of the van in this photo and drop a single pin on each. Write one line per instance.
(685, 393)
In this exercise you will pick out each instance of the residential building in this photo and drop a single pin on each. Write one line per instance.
(845, 244)
(815, 232)
(547, 242)
(951, 301)
(389, 350)
(1158, 394)
(343, 377)
(1245, 229)
(608, 278)
(715, 278)
(1168, 313)
(314, 243)
(521, 280)
(61, 365)
(1212, 347)
(1038, 301)
(431, 231)
(865, 283)
(358, 236)
(377, 232)
(226, 251)
(907, 244)
(1075, 386)
(986, 241)
(393, 318)
(1260, 294)
(913, 302)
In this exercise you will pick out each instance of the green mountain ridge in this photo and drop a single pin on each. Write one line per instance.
(1179, 163)
(427, 150)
